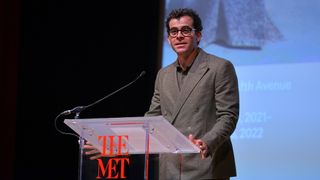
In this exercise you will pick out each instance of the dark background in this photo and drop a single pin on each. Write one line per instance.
(58, 54)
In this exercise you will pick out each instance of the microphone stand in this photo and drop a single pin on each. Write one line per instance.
(81, 152)
(77, 110)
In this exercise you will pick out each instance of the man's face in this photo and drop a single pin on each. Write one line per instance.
(182, 37)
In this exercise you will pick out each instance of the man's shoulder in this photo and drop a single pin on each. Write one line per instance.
(214, 60)
(167, 67)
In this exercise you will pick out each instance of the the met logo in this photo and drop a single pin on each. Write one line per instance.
(113, 147)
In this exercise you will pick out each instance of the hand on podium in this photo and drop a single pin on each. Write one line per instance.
(204, 151)
(91, 151)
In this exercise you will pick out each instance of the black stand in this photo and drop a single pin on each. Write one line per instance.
(81, 145)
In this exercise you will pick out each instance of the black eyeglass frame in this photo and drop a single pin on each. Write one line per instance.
(186, 31)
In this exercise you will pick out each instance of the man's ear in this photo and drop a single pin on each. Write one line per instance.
(168, 40)
(199, 35)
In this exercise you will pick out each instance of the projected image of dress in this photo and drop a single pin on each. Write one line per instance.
(232, 23)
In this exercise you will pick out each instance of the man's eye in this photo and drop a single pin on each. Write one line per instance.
(173, 31)
(186, 30)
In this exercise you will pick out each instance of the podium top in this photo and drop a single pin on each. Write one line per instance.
(135, 132)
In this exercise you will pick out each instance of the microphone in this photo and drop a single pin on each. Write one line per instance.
(79, 109)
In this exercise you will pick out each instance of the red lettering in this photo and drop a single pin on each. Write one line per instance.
(111, 145)
(100, 166)
(122, 172)
(124, 145)
(104, 144)
(112, 168)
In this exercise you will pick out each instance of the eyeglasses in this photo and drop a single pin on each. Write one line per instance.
(185, 31)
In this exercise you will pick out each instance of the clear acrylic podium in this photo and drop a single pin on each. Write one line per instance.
(144, 135)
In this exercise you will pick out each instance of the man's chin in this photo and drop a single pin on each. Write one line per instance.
(180, 51)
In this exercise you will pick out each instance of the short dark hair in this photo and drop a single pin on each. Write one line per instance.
(178, 13)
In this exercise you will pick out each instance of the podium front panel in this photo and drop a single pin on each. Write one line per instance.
(163, 137)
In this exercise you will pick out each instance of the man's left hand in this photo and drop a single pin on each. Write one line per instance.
(204, 150)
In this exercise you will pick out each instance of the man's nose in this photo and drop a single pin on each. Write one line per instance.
(180, 35)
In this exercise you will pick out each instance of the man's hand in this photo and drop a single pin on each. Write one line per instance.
(204, 150)
(91, 151)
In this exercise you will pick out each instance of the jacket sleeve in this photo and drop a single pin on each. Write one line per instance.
(227, 106)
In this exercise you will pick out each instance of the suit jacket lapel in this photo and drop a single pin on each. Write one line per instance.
(194, 76)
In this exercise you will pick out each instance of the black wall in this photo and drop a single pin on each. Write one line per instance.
(72, 53)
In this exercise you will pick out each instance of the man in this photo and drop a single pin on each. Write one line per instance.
(198, 94)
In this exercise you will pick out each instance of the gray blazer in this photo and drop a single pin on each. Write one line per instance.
(207, 107)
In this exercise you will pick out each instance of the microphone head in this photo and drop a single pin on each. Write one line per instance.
(142, 73)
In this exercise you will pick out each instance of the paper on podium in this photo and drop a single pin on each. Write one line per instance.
(163, 137)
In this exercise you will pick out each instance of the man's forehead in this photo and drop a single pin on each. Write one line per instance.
(180, 22)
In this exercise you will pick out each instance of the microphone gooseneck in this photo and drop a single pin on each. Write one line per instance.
(77, 110)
